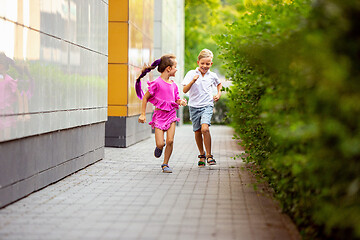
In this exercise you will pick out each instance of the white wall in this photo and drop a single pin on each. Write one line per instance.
(169, 36)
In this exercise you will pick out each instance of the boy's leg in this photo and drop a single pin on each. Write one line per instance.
(205, 125)
(207, 138)
(170, 133)
(195, 117)
(199, 141)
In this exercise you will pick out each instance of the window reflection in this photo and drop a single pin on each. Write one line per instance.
(15, 92)
(54, 65)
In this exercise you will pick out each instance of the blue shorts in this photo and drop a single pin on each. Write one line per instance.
(199, 116)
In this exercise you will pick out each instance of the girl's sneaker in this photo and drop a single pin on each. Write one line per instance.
(157, 152)
(166, 168)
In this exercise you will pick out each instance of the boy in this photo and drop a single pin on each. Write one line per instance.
(199, 84)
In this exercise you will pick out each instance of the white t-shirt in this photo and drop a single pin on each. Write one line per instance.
(201, 92)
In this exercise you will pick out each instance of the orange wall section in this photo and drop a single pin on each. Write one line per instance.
(130, 47)
(118, 10)
(118, 42)
(117, 88)
(117, 111)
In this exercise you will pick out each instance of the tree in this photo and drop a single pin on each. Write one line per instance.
(204, 20)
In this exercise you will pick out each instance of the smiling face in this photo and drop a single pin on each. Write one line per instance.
(205, 64)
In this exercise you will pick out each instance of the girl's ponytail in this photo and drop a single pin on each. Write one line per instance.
(139, 91)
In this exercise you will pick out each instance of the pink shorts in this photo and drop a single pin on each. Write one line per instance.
(163, 119)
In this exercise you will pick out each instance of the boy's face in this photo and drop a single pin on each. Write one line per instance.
(205, 64)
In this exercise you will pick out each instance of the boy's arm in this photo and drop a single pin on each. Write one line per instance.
(218, 95)
(142, 117)
(187, 87)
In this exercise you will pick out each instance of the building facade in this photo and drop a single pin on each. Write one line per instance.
(67, 76)
(140, 31)
(53, 91)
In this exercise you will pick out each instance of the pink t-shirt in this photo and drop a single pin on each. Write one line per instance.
(163, 95)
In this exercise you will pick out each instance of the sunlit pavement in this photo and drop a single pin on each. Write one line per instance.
(126, 196)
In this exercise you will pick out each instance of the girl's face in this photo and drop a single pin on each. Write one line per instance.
(205, 64)
(173, 69)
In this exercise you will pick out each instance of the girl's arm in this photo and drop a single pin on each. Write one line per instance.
(218, 95)
(186, 88)
(142, 117)
(181, 102)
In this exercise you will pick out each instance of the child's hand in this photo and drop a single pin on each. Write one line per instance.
(217, 97)
(142, 118)
(183, 102)
(195, 78)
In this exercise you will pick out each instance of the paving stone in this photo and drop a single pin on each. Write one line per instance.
(126, 196)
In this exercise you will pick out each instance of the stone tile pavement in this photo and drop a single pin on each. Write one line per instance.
(126, 196)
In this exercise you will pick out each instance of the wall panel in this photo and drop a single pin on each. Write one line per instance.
(53, 90)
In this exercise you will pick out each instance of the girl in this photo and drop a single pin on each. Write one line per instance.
(164, 95)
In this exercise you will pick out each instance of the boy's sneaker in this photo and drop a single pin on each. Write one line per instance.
(210, 160)
(201, 163)
(157, 152)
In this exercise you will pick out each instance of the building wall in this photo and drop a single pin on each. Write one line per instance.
(130, 47)
(169, 36)
(54, 107)
(140, 31)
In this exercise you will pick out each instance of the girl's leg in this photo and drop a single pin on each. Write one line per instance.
(207, 138)
(159, 138)
(199, 141)
(170, 133)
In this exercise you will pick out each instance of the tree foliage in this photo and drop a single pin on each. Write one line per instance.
(203, 20)
(295, 104)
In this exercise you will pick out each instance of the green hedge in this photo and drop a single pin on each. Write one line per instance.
(220, 116)
(295, 103)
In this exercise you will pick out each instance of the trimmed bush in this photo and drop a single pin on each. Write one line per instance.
(295, 104)
(220, 116)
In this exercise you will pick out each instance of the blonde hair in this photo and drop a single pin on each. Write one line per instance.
(205, 53)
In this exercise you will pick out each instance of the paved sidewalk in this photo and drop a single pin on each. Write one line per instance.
(126, 196)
